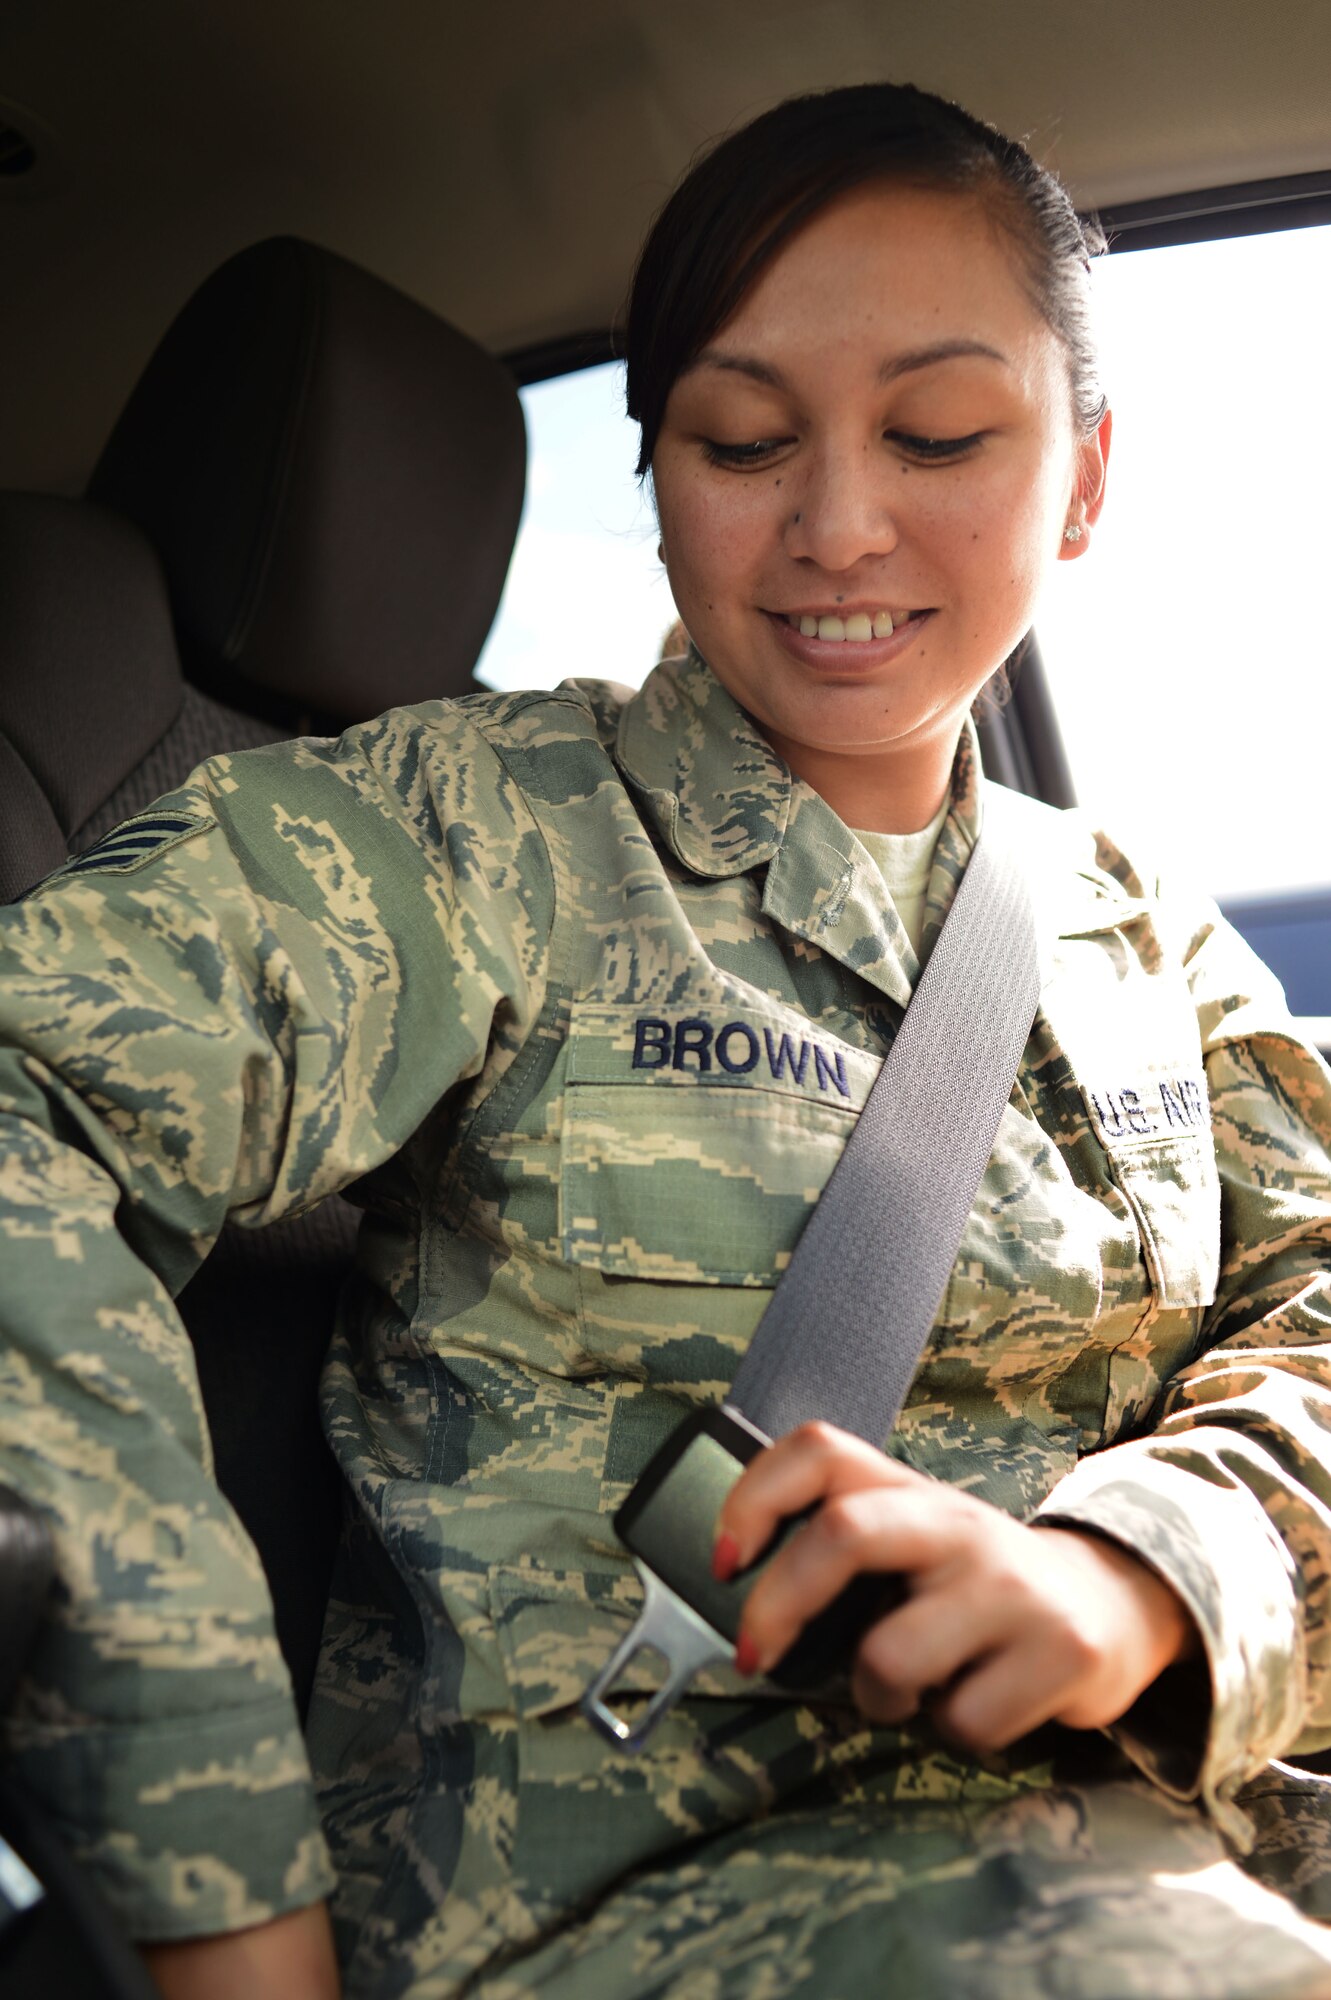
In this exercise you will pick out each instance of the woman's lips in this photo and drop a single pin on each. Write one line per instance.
(847, 657)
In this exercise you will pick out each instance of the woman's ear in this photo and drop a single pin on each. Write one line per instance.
(1088, 495)
(1095, 461)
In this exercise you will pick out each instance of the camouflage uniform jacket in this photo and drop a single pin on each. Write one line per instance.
(584, 994)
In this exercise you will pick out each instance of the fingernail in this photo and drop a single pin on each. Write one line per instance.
(725, 1558)
(746, 1655)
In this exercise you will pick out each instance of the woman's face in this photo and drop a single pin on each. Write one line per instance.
(879, 442)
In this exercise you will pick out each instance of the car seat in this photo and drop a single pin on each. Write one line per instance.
(304, 516)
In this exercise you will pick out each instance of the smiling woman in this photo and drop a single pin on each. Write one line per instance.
(585, 993)
(856, 530)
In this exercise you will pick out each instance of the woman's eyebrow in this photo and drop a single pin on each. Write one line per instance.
(897, 365)
(941, 350)
(737, 364)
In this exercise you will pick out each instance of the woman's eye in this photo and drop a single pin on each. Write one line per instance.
(927, 450)
(741, 454)
(933, 450)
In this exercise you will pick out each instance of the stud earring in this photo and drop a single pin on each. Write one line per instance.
(1072, 533)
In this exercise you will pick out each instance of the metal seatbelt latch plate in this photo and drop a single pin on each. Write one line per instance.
(689, 1617)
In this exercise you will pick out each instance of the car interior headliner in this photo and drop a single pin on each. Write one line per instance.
(500, 163)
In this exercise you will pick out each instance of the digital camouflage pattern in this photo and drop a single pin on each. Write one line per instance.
(585, 994)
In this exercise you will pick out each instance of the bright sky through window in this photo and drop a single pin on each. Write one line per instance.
(1189, 653)
(585, 593)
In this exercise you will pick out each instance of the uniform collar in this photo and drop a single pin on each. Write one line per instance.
(714, 790)
(723, 802)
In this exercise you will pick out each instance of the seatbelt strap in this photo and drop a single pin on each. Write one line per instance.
(843, 1333)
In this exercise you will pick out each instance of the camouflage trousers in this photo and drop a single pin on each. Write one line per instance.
(1084, 1883)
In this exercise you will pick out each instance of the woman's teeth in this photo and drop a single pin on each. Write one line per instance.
(859, 626)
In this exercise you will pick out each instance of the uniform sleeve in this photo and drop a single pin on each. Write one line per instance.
(1228, 1496)
(248, 998)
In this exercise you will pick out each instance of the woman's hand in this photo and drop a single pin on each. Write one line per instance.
(1005, 1626)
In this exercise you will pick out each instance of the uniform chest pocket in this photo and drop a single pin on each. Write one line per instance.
(1157, 1135)
(695, 1144)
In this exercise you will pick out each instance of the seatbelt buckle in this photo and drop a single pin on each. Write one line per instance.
(690, 1618)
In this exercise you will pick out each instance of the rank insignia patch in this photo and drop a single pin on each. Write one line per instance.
(135, 841)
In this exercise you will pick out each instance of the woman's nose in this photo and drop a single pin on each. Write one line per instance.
(844, 510)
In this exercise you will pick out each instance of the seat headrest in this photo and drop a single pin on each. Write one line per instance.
(333, 479)
(91, 679)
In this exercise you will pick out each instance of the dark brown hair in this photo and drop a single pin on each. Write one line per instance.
(749, 194)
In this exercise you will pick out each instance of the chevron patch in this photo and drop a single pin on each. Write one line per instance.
(135, 841)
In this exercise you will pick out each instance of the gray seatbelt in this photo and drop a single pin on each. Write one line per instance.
(842, 1335)
(845, 1327)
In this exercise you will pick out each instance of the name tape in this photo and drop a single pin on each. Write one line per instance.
(697, 1044)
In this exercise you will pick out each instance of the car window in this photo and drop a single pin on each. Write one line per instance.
(1189, 657)
(586, 593)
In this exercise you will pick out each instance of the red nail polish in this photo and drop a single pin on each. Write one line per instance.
(746, 1655)
(725, 1558)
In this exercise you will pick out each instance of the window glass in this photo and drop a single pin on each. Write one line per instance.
(1188, 651)
(586, 594)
